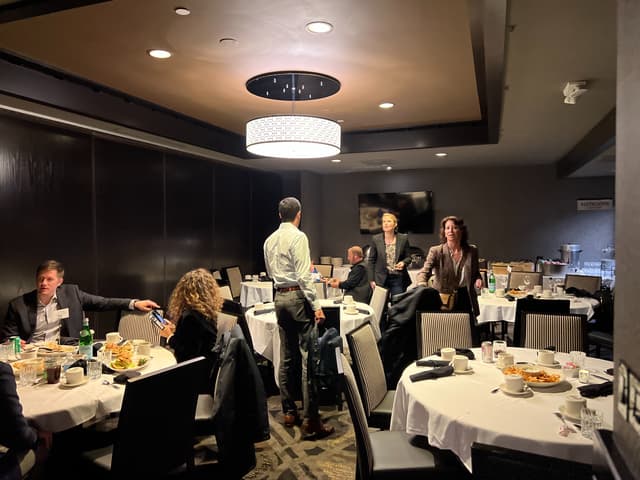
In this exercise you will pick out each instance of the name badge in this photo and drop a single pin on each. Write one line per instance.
(62, 313)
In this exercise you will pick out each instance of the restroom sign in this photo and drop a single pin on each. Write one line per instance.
(595, 204)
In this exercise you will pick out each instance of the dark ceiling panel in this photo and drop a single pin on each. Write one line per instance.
(19, 10)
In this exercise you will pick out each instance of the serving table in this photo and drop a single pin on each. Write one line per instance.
(252, 292)
(455, 411)
(54, 408)
(495, 309)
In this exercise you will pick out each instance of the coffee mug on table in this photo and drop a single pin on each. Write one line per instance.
(546, 357)
(143, 346)
(573, 404)
(351, 308)
(74, 375)
(460, 363)
(447, 353)
(513, 383)
(113, 337)
(347, 299)
(546, 293)
(499, 292)
(505, 360)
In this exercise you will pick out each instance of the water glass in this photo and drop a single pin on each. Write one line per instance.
(94, 368)
(591, 420)
(5, 349)
(498, 347)
(28, 373)
(106, 357)
(577, 358)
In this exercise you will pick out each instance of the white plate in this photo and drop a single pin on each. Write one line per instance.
(463, 372)
(526, 391)
(545, 384)
(567, 416)
(555, 363)
(131, 369)
(64, 384)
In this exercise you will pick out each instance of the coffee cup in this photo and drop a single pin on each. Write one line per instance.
(247, 278)
(347, 299)
(573, 404)
(74, 375)
(113, 337)
(546, 293)
(351, 308)
(447, 353)
(143, 347)
(460, 363)
(499, 292)
(513, 383)
(537, 289)
(505, 360)
(546, 357)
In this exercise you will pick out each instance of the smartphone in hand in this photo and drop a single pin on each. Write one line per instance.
(157, 319)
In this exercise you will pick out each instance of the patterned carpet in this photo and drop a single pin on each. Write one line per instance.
(286, 456)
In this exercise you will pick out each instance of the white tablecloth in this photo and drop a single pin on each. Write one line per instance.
(254, 292)
(266, 335)
(54, 408)
(493, 309)
(453, 412)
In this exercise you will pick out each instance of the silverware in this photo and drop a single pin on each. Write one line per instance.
(494, 390)
(600, 377)
(568, 427)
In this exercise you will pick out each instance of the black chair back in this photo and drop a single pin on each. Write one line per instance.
(231, 307)
(332, 317)
(535, 306)
(155, 426)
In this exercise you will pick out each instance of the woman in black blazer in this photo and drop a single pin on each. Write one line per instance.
(389, 257)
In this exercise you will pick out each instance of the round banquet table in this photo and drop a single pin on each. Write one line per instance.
(255, 292)
(455, 411)
(265, 333)
(54, 408)
(495, 309)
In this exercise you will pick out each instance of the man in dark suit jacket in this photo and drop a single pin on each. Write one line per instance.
(54, 308)
(357, 283)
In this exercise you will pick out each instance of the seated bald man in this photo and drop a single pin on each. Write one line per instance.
(56, 309)
(356, 283)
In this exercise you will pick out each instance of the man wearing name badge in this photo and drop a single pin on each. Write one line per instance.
(357, 284)
(54, 309)
(287, 258)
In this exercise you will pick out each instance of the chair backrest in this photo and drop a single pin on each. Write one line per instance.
(157, 410)
(332, 317)
(443, 329)
(216, 275)
(377, 303)
(321, 290)
(234, 309)
(367, 364)
(520, 278)
(490, 462)
(225, 292)
(359, 419)
(589, 283)
(135, 324)
(567, 332)
(234, 277)
(538, 306)
(325, 270)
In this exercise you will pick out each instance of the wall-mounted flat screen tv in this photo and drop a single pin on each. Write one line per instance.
(413, 209)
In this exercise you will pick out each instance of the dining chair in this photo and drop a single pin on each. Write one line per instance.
(383, 454)
(377, 303)
(490, 462)
(567, 332)
(534, 305)
(517, 279)
(234, 278)
(325, 270)
(225, 292)
(369, 373)
(588, 283)
(137, 325)
(443, 329)
(155, 428)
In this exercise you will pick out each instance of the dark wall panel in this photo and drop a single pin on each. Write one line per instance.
(266, 193)
(189, 187)
(130, 222)
(45, 204)
(232, 232)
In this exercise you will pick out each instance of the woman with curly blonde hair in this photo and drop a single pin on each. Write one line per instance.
(193, 309)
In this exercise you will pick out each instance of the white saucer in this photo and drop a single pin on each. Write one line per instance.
(526, 391)
(463, 372)
(555, 363)
(64, 384)
(350, 313)
(567, 416)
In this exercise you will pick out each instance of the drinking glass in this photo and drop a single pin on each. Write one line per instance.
(94, 368)
(527, 282)
(591, 420)
(499, 346)
(577, 358)
(28, 373)
(5, 348)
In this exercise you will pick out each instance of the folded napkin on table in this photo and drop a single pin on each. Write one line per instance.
(432, 363)
(82, 363)
(435, 373)
(596, 390)
(461, 351)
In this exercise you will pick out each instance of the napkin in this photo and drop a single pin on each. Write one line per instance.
(461, 351)
(124, 376)
(432, 363)
(435, 373)
(266, 310)
(82, 363)
(596, 390)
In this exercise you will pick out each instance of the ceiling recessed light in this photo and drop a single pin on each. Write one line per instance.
(319, 27)
(388, 167)
(155, 53)
(182, 11)
(441, 154)
(228, 41)
(335, 160)
(386, 105)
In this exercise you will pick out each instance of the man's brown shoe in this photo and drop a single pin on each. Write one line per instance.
(315, 428)
(291, 419)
